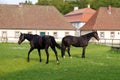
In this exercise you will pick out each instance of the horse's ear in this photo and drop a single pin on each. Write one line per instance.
(94, 30)
(20, 33)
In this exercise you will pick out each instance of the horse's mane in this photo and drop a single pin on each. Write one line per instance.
(91, 33)
(31, 34)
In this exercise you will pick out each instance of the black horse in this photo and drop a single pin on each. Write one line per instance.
(81, 41)
(38, 42)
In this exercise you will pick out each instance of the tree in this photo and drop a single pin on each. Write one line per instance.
(61, 5)
(65, 6)
(27, 2)
(43, 2)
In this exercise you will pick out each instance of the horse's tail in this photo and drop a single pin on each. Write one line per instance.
(55, 43)
(62, 48)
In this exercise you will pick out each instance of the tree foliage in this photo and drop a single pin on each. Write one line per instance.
(26, 2)
(65, 6)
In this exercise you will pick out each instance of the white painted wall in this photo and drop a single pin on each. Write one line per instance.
(11, 34)
(78, 25)
(107, 36)
(108, 33)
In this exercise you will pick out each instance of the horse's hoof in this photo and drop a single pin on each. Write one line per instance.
(46, 62)
(40, 60)
(58, 62)
(64, 57)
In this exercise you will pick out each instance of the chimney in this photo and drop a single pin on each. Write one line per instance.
(20, 4)
(76, 8)
(109, 9)
(88, 5)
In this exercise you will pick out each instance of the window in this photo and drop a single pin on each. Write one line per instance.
(4, 34)
(47, 33)
(55, 34)
(73, 24)
(66, 33)
(102, 34)
(112, 35)
(17, 34)
(42, 33)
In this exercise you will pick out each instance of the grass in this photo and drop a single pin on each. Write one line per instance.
(101, 63)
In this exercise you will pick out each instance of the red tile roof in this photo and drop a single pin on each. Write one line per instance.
(80, 15)
(32, 17)
(102, 20)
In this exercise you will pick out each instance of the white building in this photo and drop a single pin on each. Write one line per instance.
(33, 19)
(107, 23)
(78, 17)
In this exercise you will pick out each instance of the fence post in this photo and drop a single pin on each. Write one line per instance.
(105, 41)
(112, 42)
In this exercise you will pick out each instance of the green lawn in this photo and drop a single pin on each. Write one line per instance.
(100, 63)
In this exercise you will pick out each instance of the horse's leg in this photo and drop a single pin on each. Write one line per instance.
(53, 48)
(46, 50)
(39, 53)
(69, 52)
(83, 52)
(29, 53)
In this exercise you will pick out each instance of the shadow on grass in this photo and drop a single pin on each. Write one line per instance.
(112, 51)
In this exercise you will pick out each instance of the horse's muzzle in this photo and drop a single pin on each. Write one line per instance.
(19, 42)
(98, 38)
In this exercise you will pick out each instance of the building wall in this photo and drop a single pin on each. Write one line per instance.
(13, 35)
(78, 25)
(109, 37)
(109, 34)
(106, 36)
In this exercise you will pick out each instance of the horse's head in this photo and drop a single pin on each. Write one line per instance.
(21, 38)
(96, 35)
